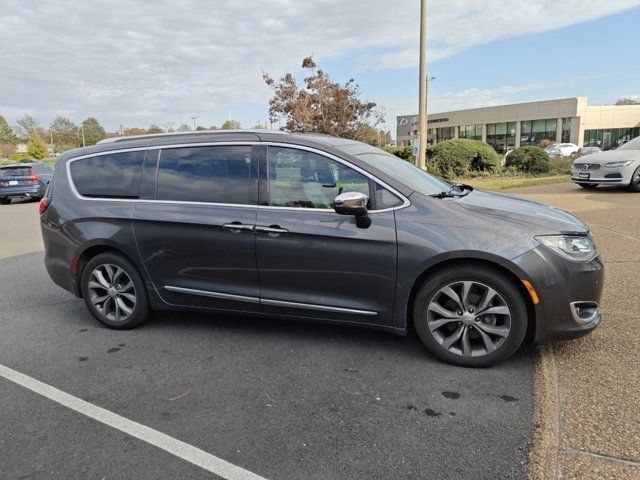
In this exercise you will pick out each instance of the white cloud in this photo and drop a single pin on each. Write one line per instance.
(137, 62)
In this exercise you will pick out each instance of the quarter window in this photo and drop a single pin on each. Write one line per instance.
(217, 174)
(115, 175)
(298, 178)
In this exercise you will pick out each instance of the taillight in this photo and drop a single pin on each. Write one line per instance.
(44, 204)
(34, 178)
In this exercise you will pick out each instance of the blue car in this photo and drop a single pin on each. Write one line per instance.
(24, 180)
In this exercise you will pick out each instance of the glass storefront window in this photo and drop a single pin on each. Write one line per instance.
(501, 136)
(609, 138)
(566, 130)
(474, 132)
(445, 133)
(534, 131)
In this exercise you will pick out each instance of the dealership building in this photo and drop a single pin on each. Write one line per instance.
(570, 120)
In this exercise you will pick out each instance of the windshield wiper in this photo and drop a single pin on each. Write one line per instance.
(456, 190)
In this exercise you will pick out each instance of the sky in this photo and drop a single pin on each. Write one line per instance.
(134, 63)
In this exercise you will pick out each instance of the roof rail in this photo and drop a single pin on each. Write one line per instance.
(191, 132)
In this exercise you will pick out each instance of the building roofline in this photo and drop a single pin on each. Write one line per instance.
(499, 106)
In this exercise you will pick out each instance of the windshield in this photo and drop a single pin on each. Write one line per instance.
(405, 172)
(15, 171)
(631, 145)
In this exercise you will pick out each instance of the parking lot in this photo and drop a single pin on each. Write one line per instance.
(278, 398)
(290, 400)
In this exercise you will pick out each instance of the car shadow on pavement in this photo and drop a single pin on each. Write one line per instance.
(295, 331)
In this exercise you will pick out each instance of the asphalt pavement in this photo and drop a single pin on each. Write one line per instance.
(281, 399)
(589, 387)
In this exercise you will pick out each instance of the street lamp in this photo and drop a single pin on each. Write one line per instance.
(422, 138)
(194, 121)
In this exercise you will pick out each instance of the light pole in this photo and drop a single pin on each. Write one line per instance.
(194, 121)
(422, 138)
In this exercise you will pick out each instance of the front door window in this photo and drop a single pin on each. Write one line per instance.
(303, 179)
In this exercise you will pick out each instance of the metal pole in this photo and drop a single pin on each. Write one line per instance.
(82, 129)
(422, 138)
(194, 121)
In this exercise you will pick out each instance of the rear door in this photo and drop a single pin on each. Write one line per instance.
(313, 262)
(195, 230)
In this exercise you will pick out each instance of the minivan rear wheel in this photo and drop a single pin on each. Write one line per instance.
(114, 291)
(471, 316)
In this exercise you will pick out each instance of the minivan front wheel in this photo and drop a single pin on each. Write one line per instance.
(470, 316)
(114, 291)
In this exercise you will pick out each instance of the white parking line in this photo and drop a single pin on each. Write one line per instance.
(169, 444)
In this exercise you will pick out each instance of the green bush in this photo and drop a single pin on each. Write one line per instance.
(405, 153)
(561, 165)
(529, 159)
(462, 158)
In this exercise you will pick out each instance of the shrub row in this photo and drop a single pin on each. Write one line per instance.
(464, 158)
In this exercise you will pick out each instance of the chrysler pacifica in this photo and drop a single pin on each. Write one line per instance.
(315, 228)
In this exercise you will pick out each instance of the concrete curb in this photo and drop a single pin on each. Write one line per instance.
(546, 435)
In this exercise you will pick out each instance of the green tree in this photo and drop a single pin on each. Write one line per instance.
(184, 127)
(93, 131)
(26, 125)
(153, 128)
(64, 133)
(231, 125)
(213, 127)
(200, 128)
(627, 101)
(36, 148)
(321, 106)
(6, 133)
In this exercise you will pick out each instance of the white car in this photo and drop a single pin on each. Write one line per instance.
(562, 149)
(589, 150)
(612, 167)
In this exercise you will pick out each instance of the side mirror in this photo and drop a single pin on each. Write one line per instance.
(354, 203)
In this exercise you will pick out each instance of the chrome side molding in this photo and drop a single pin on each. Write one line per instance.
(270, 302)
(207, 293)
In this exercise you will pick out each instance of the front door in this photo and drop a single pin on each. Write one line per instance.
(196, 235)
(313, 262)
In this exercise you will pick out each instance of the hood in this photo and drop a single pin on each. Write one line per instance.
(549, 219)
(609, 156)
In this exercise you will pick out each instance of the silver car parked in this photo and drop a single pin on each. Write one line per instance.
(612, 167)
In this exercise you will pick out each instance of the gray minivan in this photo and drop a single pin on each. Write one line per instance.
(316, 228)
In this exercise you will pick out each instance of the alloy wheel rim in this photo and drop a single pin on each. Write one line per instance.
(112, 293)
(469, 318)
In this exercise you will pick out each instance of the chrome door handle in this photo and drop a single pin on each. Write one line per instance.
(238, 227)
(271, 229)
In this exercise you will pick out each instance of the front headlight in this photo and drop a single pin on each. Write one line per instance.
(579, 248)
(625, 163)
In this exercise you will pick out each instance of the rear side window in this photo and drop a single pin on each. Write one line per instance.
(216, 174)
(115, 175)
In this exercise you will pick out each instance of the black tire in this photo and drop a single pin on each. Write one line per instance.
(588, 186)
(5, 201)
(634, 186)
(139, 308)
(508, 293)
